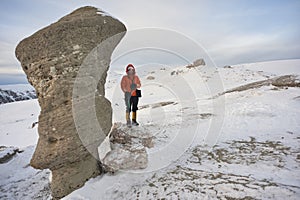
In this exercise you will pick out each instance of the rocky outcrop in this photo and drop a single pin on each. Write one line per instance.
(196, 63)
(128, 148)
(7, 153)
(63, 62)
(280, 82)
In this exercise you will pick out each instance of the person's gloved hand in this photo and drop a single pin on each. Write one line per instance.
(133, 86)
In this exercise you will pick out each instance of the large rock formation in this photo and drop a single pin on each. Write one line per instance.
(59, 61)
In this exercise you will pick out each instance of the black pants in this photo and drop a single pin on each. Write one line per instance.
(131, 103)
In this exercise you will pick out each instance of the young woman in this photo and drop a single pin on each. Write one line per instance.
(130, 82)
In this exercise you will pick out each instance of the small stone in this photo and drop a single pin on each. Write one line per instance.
(76, 52)
(52, 139)
(76, 47)
(150, 78)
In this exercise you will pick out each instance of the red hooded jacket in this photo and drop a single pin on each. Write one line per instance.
(127, 80)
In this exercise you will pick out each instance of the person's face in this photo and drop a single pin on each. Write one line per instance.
(131, 71)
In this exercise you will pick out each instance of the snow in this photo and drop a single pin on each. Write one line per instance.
(278, 67)
(6, 151)
(239, 145)
(270, 116)
(16, 121)
(20, 181)
(104, 14)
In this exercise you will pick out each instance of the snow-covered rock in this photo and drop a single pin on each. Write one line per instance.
(7, 153)
(128, 148)
(12, 93)
(18, 180)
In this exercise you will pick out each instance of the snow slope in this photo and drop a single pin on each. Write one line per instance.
(254, 154)
(18, 180)
(278, 67)
(241, 145)
(16, 121)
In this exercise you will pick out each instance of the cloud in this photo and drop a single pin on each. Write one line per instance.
(7, 54)
(231, 31)
(9, 79)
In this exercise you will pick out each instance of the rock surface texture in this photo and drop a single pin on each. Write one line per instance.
(197, 63)
(52, 59)
(128, 148)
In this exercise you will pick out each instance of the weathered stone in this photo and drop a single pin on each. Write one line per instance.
(280, 81)
(126, 159)
(196, 63)
(52, 59)
(199, 62)
(128, 148)
(150, 77)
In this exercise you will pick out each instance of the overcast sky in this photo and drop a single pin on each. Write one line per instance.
(231, 31)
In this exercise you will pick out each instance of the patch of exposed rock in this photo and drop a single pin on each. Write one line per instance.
(196, 63)
(150, 78)
(52, 59)
(280, 81)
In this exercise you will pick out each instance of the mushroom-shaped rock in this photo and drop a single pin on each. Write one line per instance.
(67, 64)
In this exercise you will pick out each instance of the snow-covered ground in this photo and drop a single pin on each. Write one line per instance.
(18, 180)
(16, 123)
(241, 145)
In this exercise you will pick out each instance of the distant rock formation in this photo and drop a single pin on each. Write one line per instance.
(196, 63)
(8, 96)
(52, 59)
(284, 81)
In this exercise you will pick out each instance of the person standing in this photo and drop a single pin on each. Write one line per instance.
(129, 84)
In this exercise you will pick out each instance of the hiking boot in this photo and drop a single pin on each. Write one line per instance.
(134, 123)
(128, 123)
